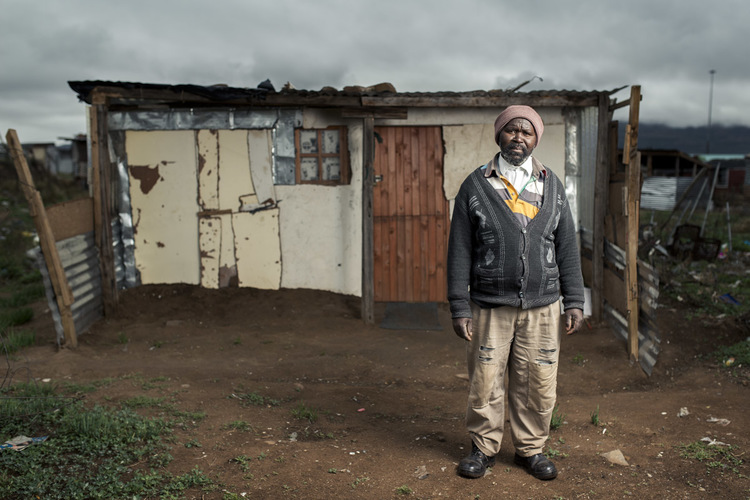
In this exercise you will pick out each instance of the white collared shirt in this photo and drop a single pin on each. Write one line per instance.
(517, 176)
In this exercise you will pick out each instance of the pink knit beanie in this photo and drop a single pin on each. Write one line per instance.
(518, 111)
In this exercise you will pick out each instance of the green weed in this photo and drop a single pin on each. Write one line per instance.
(238, 425)
(255, 399)
(14, 340)
(15, 317)
(558, 419)
(716, 457)
(302, 412)
(595, 417)
(404, 490)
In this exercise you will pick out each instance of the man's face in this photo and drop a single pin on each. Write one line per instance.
(517, 141)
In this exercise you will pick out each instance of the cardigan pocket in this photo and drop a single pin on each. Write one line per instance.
(550, 281)
(488, 281)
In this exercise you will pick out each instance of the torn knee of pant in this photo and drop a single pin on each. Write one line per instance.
(545, 361)
(548, 360)
(485, 353)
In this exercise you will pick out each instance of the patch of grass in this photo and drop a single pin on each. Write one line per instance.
(122, 338)
(734, 355)
(552, 453)
(15, 317)
(14, 340)
(24, 294)
(303, 412)
(143, 402)
(75, 388)
(91, 454)
(359, 481)
(558, 418)
(578, 359)
(243, 461)
(404, 490)
(184, 417)
(595, 417)
(238, 425)
(716, 457)
(193, 443)
(255, 399)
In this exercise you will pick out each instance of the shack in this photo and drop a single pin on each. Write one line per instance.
(348, 191)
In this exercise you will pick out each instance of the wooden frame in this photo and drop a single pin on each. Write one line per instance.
(320, 156)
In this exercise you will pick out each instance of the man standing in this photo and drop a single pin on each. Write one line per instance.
(512, 253)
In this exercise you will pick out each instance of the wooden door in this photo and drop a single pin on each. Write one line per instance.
(410, 215)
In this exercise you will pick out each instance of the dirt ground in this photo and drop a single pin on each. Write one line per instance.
(390, 404)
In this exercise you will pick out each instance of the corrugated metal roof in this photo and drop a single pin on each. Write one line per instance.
(220, 93)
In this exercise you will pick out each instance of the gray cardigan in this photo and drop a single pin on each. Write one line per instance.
(494, 261)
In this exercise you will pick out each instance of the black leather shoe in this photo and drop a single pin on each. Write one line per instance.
(475, 465)
(538, 466)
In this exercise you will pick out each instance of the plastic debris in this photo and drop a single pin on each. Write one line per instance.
(683, 412)
(729, 299)
(720, 421)
(616, 457)
(421, 472)
(19, 443)
(713, 442)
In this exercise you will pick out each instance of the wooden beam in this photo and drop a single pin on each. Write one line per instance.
(63, 292)
(480, 101)
(368, 180)
(633, 206)
(101, 170)
(384, 113)
(601, 201)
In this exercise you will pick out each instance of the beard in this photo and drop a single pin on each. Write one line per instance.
(515, 154)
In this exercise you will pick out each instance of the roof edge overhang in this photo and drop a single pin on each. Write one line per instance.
(148, 95)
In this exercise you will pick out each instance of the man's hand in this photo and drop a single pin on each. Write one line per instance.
(573, 320)
(462, 327)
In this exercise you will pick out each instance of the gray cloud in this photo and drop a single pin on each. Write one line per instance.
(667, 47)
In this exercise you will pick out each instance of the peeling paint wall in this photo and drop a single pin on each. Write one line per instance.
(163, 192)
(321, 227)
(235, 181)
(238, 248)
(466, 148)
(256, 247)
(471, 143)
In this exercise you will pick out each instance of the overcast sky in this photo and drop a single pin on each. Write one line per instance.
(666, 46)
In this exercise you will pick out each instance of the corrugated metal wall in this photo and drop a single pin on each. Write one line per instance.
(661, 193)
(80, 260)
(588, 134)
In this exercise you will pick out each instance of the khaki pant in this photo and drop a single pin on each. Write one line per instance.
(527, 344)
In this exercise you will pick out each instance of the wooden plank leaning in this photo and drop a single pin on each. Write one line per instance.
(63, 292)
(633, 205)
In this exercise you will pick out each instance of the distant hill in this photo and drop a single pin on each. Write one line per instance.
(691, 140)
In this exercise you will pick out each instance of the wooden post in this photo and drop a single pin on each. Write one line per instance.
(633, 206)
(102, 194)
(63, 293)
(601, 201)
(368, 180)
